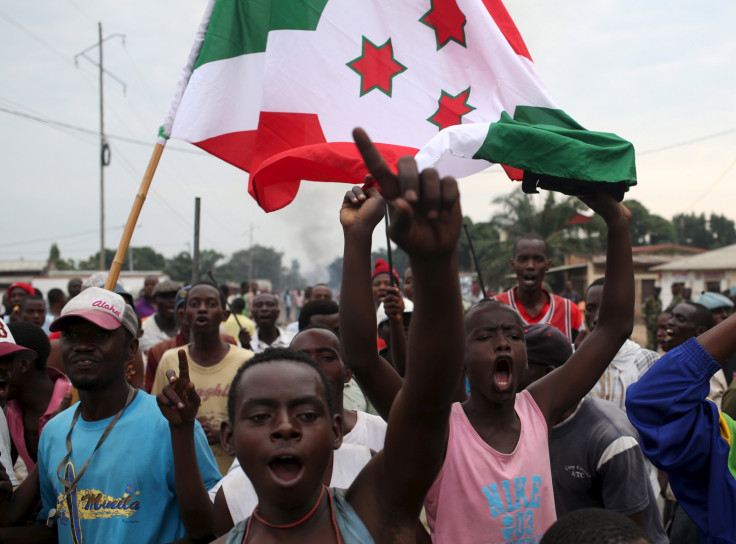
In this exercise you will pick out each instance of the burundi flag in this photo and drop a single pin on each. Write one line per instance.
(275, 87)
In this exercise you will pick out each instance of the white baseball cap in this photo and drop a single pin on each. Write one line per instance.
(100, 307)
(7, 342)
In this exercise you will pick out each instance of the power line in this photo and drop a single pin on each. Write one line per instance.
(32, 35)
(688, 142)
(712, 185)
(59, 124)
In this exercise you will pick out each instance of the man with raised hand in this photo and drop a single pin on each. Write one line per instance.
(108, 466)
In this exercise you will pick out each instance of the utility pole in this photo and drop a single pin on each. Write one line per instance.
(104, 148)
(195, 257)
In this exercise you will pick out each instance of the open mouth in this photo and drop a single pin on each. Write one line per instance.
(286, 468)
(502, 374)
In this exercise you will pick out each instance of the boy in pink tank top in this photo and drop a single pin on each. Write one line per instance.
(495, 484)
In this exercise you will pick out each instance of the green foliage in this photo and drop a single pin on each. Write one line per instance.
(696, 230)
(55, 260)
(648, 228)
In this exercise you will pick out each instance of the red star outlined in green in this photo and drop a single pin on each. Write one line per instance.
(447, 21)
(376, 67)
(451, 109)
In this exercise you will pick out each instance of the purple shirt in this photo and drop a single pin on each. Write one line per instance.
(143, 308)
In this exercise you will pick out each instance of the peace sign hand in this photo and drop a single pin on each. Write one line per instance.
(424, 209)
(179, 401)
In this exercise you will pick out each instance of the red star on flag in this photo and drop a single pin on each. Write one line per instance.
(376, 67)
(447, 21)
(451, 109)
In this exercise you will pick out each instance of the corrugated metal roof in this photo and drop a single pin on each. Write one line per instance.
(718, 259)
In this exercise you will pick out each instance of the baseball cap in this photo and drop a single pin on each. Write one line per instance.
(7, 342)
(714, 300)
(99, 279)
(103, 308)
(166, 286)
(381, 316)
(181, 296)
(546, 345)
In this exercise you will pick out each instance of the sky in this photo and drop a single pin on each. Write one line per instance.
(659, 75)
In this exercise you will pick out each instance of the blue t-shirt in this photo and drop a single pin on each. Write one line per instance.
(127, 493)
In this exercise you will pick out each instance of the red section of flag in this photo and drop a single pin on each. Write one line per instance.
(289, 147)
(513, 173)
(506, 25)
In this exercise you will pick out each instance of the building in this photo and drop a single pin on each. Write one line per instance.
(708, 271)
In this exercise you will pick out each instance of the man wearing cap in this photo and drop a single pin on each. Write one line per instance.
(381, 280)
(15, 293)
(594, 451)
(9, 353)
(107, 465)
(721, 307)
(161, 325)
(35, 391)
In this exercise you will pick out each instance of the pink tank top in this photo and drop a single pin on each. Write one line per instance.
(482, 496)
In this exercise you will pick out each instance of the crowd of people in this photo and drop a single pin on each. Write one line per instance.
(393, 415)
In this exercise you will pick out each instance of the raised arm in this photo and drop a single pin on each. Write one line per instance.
(683, 433)
(179, 402)
(425, 222)
(360, 213)
(563, 388)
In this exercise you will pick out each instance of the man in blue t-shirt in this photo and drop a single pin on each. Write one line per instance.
(107, 465)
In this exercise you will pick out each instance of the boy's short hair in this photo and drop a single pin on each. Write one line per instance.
(531, 237)
(594, 525)
(316, 307)
(486, 302)
(703, 316)
(32, 337)
(278, 354)
(223, 299)
(595, 283)
(29, 298)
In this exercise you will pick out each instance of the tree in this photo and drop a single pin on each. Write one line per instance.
(520, 215)
(144, 258)
(723, 231)
(692, 230)
(648, 228)
(55, 260)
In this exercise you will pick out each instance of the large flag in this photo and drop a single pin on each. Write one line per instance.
(275, 87)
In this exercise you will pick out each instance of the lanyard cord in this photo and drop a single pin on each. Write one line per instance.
(70, 486)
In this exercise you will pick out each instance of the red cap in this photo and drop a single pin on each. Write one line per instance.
(381, 267)
(27, 287)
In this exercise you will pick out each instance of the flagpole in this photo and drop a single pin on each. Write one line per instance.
(140, 198)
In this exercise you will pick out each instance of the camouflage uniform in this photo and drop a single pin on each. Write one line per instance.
(650, 313)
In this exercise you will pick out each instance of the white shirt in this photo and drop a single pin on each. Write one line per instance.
(282, 341)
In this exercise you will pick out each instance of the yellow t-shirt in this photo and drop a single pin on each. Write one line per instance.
(212, 384)
(232, 328)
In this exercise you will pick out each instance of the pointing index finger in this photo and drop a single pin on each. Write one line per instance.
(376, 164)
(183, 365)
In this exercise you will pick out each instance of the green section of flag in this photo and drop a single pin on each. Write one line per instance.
(548, 141)
(238, 27)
